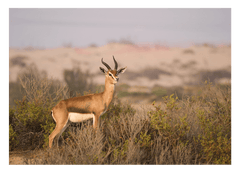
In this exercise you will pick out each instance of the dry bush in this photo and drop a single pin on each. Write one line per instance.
(194, 130)
(188, 51)
(213, 76)
(189, 64)
(15, 93)
(18, 60)
(29, 121)
(78, 82)
(38, 88)
(150, 73)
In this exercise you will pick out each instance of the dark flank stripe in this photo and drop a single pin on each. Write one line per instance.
(78, 110)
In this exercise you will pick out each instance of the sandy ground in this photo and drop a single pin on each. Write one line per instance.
(147, 65)
(16, 159)
(23, 157)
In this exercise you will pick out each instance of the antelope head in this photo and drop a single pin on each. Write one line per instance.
(112, 75)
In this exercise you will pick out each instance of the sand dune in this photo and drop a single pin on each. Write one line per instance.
(148, 65)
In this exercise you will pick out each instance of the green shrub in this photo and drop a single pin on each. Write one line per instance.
(145, 140)
(32, 123)
(13, 142)
(30, 120)
(171, 128)
(215, 122)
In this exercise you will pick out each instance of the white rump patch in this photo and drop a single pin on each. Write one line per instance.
(53, 116)
(78, 117)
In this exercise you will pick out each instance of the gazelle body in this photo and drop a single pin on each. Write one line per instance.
(78, 109)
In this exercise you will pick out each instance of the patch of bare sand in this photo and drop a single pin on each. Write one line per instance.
(22, 157)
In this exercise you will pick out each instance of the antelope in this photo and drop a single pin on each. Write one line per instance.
(78, 109)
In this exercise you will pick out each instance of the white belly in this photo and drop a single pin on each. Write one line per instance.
(78, 117)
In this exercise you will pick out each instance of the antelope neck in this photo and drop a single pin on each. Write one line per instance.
(108, 92)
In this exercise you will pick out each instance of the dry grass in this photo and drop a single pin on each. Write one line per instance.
(195, 130)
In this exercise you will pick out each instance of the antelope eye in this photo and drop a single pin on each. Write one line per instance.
(110, 74)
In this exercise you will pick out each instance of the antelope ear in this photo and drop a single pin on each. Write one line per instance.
(103, 70)
(121, 70)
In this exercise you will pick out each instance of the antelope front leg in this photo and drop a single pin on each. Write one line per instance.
(95, 121)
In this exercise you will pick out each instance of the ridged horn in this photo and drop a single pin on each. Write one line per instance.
(116, 64)
(108, 67)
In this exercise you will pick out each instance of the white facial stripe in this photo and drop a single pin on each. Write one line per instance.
(78, 117)
(113, 76)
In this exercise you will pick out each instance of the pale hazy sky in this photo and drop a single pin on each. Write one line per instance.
(50, 28)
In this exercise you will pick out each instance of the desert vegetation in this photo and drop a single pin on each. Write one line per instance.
(195, 129)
